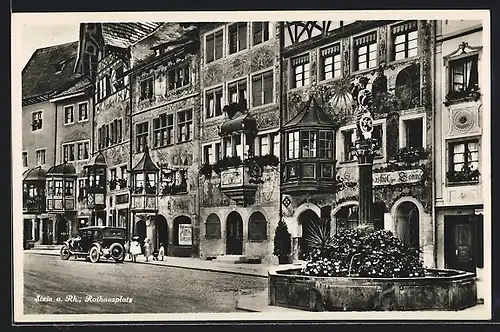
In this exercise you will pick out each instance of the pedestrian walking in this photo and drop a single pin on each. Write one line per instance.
(135, 248)
(147, 249)
(161, 251)
(127, 250)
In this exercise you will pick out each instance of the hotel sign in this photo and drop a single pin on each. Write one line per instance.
(398, 177)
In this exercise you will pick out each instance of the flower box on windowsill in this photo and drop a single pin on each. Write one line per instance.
(411, 154)
(464, 177)
(454, 97)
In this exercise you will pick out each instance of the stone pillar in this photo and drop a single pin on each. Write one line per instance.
(365, 164)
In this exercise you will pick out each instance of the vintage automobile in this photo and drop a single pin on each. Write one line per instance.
(95, 242)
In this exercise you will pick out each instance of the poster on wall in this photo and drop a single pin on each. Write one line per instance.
(185, 235)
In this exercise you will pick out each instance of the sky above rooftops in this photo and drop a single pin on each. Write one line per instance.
(40, 36)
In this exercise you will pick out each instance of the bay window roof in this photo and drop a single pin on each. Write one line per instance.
(62, 170)
(145, 164)
(98, 160)
(239, 121)
(311, 115)
(34, 174)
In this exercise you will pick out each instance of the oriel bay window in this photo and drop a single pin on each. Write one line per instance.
(61, 182)
(239, 175)
(34, 182)
(96, 181)
(365, 51)
(310, 162)
(144, 184)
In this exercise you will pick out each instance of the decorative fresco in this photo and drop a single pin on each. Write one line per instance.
(267, 192)
(161, 94)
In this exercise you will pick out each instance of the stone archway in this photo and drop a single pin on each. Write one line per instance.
(234, 234)
(161, 233)
(345, 216)
(305, 220)
(62, 230)
(141, 230)
(407, 225)
(417, 217)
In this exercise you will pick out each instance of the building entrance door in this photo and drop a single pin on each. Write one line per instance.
(234, 234)
(161, 232)
(459, 244)
(47, 231)
(140, 231)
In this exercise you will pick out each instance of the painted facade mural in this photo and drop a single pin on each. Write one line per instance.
(398, 75)
(239, 208)
(165, 101)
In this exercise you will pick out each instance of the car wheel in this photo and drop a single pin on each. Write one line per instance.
(117, 252)
(64, 253)
(94, 254)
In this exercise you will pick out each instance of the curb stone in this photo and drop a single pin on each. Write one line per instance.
(214, 270)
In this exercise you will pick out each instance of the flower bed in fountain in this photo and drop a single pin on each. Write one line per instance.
(366, 270)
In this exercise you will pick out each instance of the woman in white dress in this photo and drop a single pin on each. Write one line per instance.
(135, 248)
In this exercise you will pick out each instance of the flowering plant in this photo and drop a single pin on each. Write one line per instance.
(355, 252)
(466, 174)
(411, 153)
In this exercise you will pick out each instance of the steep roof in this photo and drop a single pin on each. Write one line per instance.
(34, 174)
(311, 115)
(124, 34)
(62, 170)
(145, 164)
(48, 70)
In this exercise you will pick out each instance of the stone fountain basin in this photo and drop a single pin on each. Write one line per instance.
(439, 290)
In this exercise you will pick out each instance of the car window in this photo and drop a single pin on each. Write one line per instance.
(97, 235)
(114, 233)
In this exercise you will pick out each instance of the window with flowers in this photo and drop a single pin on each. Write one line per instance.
(463, 162)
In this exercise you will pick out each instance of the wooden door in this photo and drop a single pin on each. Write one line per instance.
(234, 240)
(459, 243)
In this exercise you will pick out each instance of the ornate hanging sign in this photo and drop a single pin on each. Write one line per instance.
(366, 124)
(398, 177)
